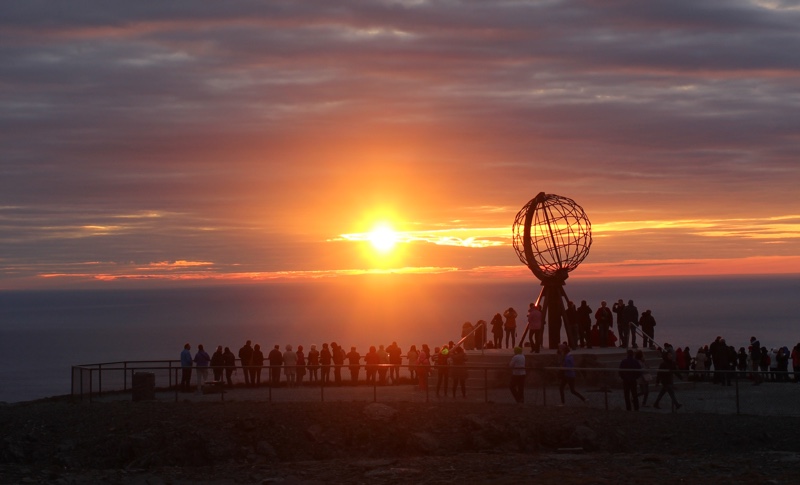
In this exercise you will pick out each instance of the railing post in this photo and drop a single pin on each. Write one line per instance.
(90, 384)
(125, 374)
(100, 378)
(736, 377)
(176, 384)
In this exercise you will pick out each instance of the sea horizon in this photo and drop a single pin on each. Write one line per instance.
(44, 332)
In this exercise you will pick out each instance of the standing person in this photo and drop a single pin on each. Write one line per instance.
(290, 366)
(325, 359)
(497, 330)
(755, 360)
(354, 361)
(256, 364)
(604, 319)
(458, 371)
(619, 308)
(630, 317)
(666, 372)
(648, 325)
(468, 334)
(371, 364)
(217, 364)
(535, 327)
(480, 335)
(567, 376)
(338, 362)
(644, 378)
(395, 359)
(383, 360)
(517, 366)
(245, 356)
(301, 364)
(700, 364)
(741, 363)
(510, 326)
(585, 325)
(571, 318)
(412, 357)
(442, 369)
(229, 361)
(313, 363)
(186, 368)
(796, 362)
(275, 360)
(201, 360)
(423, 366)
(630, 370)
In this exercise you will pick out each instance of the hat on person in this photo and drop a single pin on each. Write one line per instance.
(517, 350)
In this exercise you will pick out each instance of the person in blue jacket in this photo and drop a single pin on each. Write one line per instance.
(186, 368)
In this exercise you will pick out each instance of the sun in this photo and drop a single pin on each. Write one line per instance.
(383, 238)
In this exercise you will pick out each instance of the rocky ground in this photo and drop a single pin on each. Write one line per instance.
(59, 441)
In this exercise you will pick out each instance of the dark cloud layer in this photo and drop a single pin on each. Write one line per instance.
(235, 122)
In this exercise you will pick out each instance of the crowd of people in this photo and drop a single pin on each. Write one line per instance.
(290, 367)
(719, 362)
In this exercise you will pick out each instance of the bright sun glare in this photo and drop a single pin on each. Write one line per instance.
(383, 238)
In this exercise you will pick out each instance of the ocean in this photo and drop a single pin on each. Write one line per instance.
(43, 333)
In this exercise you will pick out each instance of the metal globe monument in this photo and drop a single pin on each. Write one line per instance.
(552, 236)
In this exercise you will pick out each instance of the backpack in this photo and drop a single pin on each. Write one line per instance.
(765, 360)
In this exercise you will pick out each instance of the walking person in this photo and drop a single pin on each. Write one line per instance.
(567, 375)
(630, 370)
(518, 372)
(644, 378)
(186, 368)
(666, 372)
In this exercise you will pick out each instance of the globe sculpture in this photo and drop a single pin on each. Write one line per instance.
(552, 236)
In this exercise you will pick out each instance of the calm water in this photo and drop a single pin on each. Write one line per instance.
(43, 333)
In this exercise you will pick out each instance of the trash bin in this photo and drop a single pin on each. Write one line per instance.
(143, 386)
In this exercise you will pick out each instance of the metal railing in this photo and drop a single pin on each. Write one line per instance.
(113, 379)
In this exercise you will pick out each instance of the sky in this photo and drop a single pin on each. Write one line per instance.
(147, 143)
